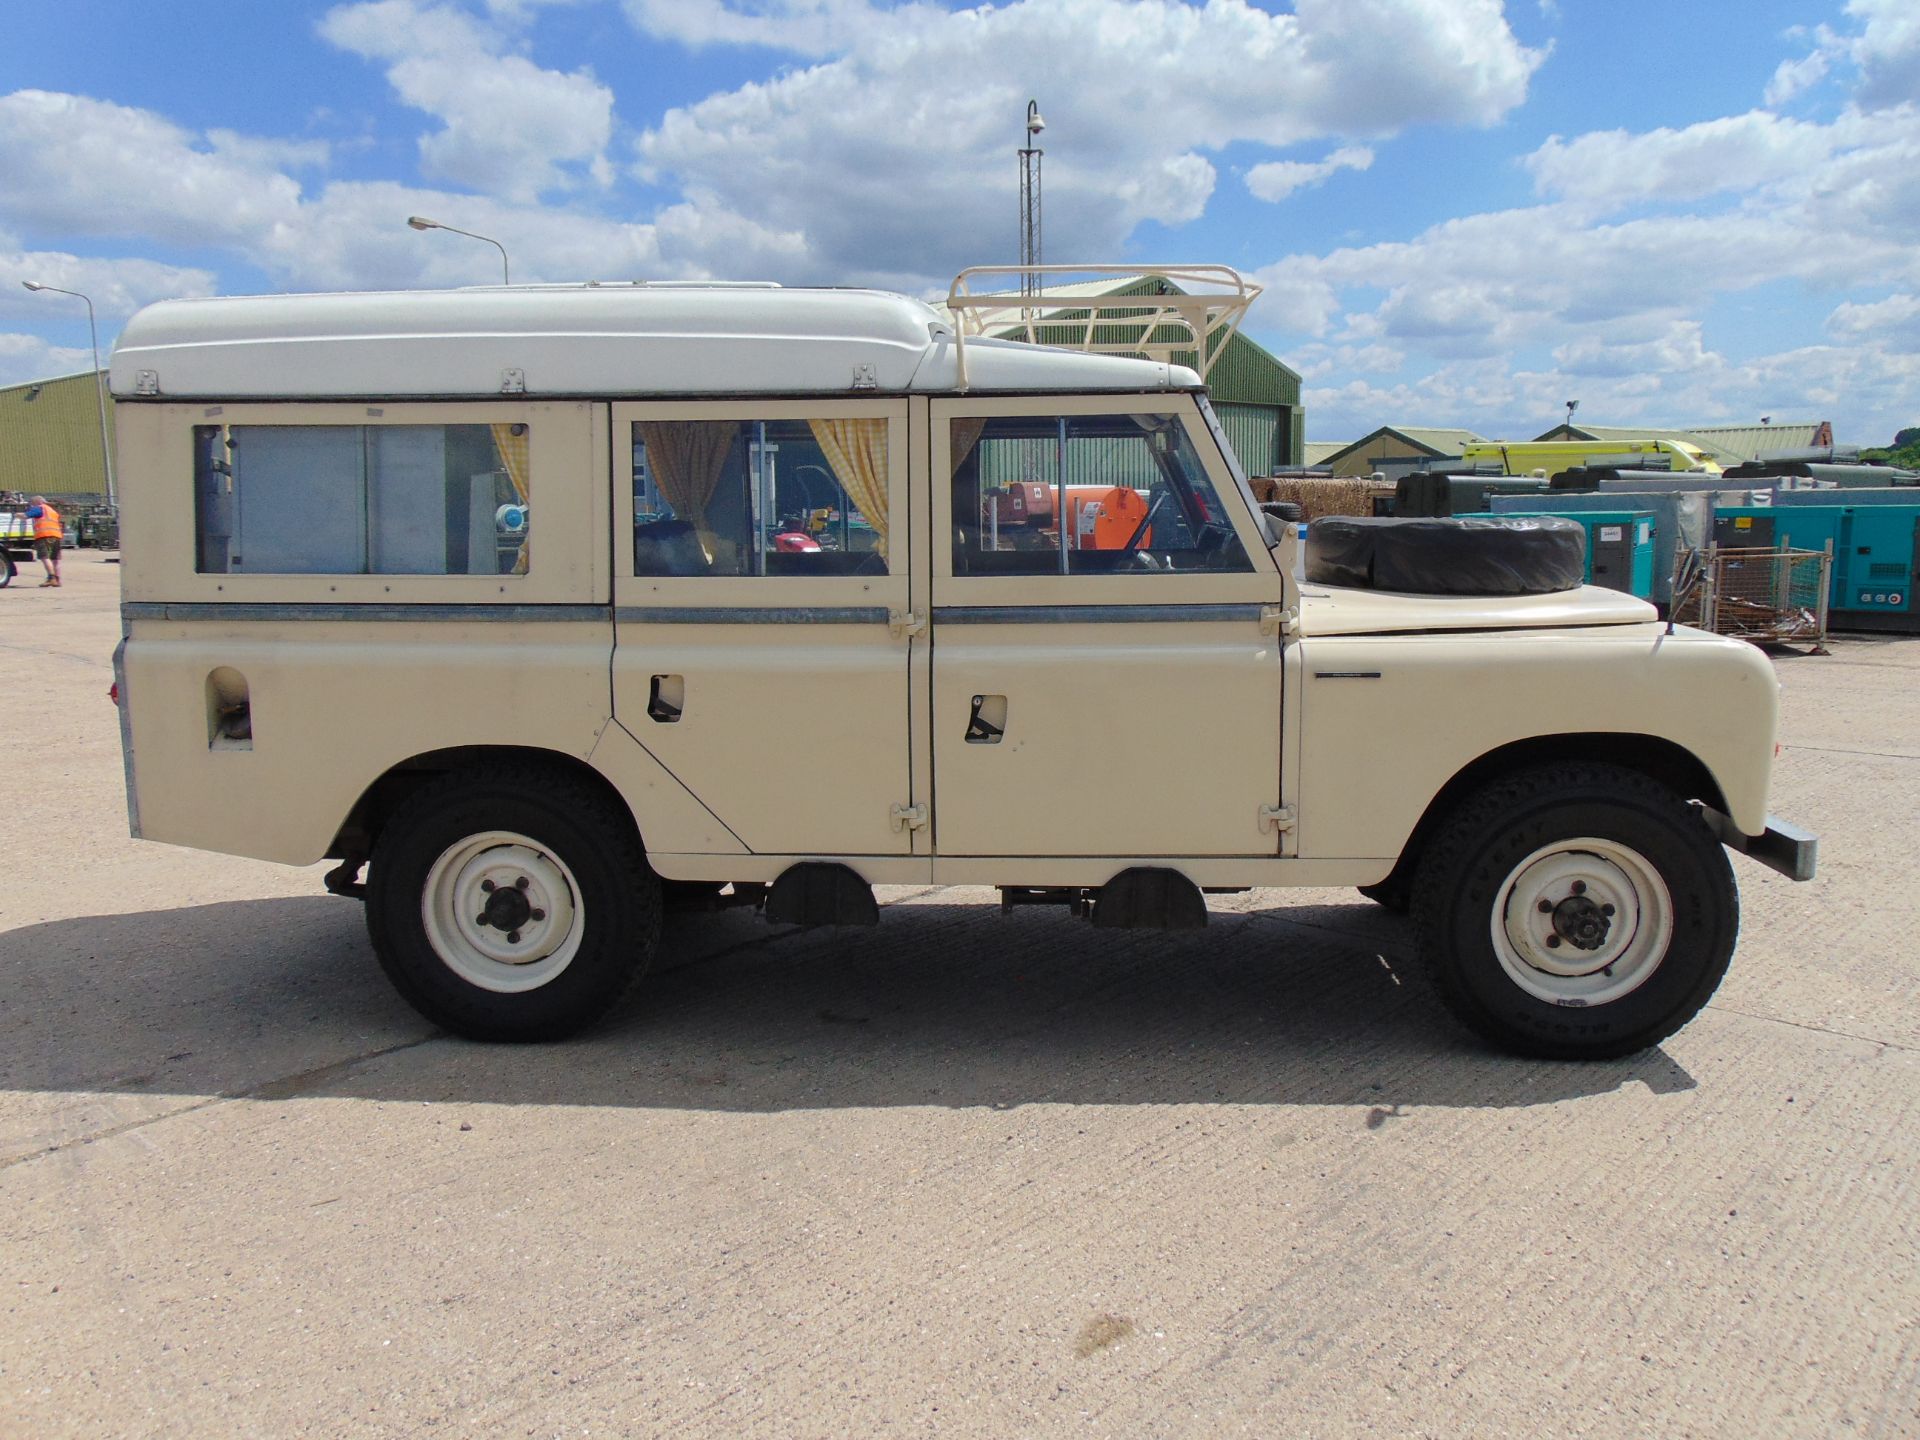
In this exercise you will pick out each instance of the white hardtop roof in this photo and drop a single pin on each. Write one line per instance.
(644, 339)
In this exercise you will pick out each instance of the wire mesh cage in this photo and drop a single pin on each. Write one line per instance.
(1753, 594)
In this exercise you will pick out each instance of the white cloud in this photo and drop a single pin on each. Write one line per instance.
(77, 166)
(116, 287)
(1277, 179)
(1887, 50)
(28, 357)
(1739, 152)
(1895, 319)
(1795, 77)
(509, 127)
(802, 27)
(895, 158)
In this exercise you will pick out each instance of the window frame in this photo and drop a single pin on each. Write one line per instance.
(566, 460)
(775, 591)
(1262, 583)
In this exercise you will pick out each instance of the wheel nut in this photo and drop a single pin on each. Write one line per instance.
(480, 919)
(487, 885)
(1606, 910)
(513, 937)
(521, 883)
(1546, 907)
(1579, 887)
(1553, 942)
(539, 914)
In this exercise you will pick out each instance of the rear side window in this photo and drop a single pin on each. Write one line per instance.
(1085, 495)
(760, 497)
(362, 499)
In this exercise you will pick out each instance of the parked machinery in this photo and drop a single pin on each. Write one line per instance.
(1620, 546)
(1875, 548)
(1428, 495)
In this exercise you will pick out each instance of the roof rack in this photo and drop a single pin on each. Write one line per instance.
(1089, 317)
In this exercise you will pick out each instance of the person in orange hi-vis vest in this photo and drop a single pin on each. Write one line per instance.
(46, 537)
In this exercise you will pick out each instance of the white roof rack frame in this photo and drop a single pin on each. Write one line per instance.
(1076, 316)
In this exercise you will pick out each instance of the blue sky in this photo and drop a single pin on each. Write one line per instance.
(1464, 212)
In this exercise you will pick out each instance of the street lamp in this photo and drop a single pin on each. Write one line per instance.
(1572, 405)
(420, 222)
(99, 388)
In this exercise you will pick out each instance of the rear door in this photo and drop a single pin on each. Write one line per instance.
(761, 573)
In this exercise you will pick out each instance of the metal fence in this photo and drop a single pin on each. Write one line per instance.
(1758, 595)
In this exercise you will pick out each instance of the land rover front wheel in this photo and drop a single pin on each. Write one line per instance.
(1575, 912)
(511, 905)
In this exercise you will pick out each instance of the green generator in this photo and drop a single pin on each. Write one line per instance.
(1619, 545)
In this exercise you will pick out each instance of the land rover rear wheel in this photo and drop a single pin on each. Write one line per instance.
(511, 904)
(1575, 912)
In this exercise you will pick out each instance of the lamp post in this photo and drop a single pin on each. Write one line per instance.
(1572, 405)
(99, 388)
(420, 222)
(1030, 216)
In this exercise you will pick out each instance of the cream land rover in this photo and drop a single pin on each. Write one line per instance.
(549, 605)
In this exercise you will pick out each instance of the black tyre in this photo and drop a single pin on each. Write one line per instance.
(511, 903)
(1575, 912)
(6, 569)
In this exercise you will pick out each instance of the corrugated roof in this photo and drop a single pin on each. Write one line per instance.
(1316, 451)
(1436, 441)
(1727, 444)
(50, 436)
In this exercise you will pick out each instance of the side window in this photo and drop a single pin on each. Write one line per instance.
(1085, 495)
(760, 497)
(362, 499)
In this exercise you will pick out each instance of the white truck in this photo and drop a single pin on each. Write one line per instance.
(544, 605)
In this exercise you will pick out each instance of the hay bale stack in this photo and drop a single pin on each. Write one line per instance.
(1331, 495)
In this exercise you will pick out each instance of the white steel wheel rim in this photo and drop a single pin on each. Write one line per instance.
(485, 935)
(1552, 904)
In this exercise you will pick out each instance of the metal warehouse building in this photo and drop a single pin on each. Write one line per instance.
(50, 437)
(1256, 396)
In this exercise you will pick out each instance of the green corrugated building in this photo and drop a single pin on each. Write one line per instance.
(1256, 396)
(50, 437)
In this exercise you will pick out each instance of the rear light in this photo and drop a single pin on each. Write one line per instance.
(113, 692)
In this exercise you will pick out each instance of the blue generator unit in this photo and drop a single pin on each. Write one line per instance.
(1876, 555)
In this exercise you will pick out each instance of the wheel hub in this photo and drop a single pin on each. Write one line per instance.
(1581, 922)
(502, 911)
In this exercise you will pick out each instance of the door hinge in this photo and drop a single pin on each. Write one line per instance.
(1276, 817)
(908, 623)
(513, 381)
(1278, 619)
(909, 817)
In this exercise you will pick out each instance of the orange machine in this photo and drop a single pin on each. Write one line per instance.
(1101, 517)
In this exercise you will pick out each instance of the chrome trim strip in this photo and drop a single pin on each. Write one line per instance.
(126, 736)
(239, 611)
(1091, 614)
(1346, 674)
(751, 614)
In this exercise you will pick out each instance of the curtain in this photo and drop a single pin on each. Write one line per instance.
(686, 459)
(857, 451)
(514, 456)
(965, 434)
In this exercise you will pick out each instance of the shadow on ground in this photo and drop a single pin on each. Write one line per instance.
(944, 1004)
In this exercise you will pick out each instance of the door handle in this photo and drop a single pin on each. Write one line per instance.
(667, 698)
(987, 721)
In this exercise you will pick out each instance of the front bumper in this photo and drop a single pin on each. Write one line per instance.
(1783, 847)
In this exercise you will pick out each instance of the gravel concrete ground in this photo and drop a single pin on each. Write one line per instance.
(963, 1174)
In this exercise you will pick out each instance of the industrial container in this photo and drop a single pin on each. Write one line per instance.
(1876, 553)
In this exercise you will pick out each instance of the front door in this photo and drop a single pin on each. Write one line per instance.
(1103, 683)
(762, 553)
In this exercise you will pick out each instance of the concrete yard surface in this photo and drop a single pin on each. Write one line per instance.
(959, 1175)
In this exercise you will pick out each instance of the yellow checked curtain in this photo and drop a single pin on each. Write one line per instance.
(513, 442)
(686, 459)
(857, 451)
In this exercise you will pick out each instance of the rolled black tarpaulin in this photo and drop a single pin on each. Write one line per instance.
(1517, 555)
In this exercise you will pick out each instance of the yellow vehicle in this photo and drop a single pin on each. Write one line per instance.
(1525, 457)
